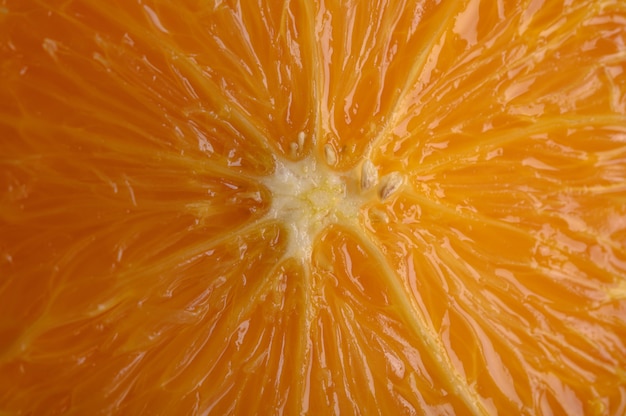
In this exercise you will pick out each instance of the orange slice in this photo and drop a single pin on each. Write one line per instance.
(312, 207)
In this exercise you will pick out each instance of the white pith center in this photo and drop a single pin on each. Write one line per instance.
(307, 197)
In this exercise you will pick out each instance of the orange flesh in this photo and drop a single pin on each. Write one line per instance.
(141, 270)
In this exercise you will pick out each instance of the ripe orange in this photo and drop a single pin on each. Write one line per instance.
(323, 207)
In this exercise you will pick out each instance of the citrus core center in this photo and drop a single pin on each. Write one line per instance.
(307, 196)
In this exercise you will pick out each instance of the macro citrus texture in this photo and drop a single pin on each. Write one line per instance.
(323, 207)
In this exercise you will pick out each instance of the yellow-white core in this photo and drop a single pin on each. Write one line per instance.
(307, 197)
